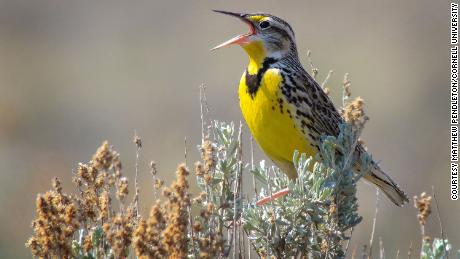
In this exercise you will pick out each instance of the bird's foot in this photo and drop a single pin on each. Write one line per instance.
(273, 196)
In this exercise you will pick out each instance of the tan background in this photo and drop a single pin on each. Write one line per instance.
(73, 73)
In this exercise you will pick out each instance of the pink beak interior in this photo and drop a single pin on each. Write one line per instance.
(240, 39)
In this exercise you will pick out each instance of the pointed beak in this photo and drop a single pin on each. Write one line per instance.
(240, 39)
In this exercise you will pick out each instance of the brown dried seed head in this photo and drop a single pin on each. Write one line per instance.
(346, 85)
(423, 204)
(207, 179)
(197, 200)
(210, 207)
(111, 180)
(200, 198)
(354, 114)
(167, 192)
(100, 180)
(203, 195)
(197, 226)
(57, 185)
(104, 205)
(87, 243)
(271, 218)
(137, 141)
(158, 183)
(199, 171)
(427, 239)
(103, 157)
(332, 209)
(34, 246)
(175, 238)
(153, 168)
(82, 172)
(122, 188)
(55, 224)
(205, 213)
(315, 71)
(71, 215)
(204, 242)
(182, 170)
(204, 255)
(324, 246)
(106, 227)
(156, 215)
(208, 156)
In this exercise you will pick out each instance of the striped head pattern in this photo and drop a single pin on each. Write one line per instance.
(268, 36)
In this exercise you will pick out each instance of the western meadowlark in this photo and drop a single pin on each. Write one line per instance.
(284, 107)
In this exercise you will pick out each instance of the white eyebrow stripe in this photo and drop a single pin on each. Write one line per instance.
(280, 25)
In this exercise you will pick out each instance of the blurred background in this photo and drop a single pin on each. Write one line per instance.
(75, 73)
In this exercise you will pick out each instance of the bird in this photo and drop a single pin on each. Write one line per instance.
(283, 106)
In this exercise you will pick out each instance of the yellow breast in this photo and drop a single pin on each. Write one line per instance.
(270, 122)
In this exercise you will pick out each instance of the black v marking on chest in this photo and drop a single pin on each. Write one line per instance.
(253, 81)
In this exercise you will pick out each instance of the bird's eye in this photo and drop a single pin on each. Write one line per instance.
(264, 25)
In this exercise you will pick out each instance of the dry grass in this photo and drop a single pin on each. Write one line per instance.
(98, 222)
(91, 224)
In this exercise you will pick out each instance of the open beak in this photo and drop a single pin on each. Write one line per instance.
(240, 39)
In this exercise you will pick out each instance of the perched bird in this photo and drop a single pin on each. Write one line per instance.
(284, 107)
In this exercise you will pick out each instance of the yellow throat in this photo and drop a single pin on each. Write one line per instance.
(256, 53)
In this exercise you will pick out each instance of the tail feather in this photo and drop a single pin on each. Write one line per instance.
(388, 186)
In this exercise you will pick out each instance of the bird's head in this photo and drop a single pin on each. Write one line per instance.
(268, 36)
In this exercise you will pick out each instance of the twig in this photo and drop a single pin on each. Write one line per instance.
(203, 105)
(314, 70)
(185, 150)
(409, 253)
(438, 213)
(153, 171)
(254, 184)
(192, 234)
(326, 80)
(252, 152)
(236, 191)
(247, 240)
(374, 222)
(138, 143)
(270, 192)
(346, 89)
(242, 246)
(253, 246)
(271, 207)
(356, 133)
(240, 180)
(348, 241)
(201, 114)
(364, 252)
